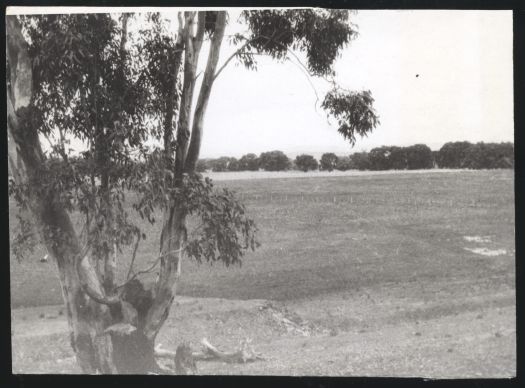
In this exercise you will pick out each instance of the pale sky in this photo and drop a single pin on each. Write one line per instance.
(464, 90)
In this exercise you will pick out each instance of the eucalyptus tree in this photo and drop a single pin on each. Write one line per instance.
(274, 161)
(249, 162)
(419, 156)
(361, 161)
(306, 162)
(92, 79)
(328, 161)
(453, 154)
(344, 163)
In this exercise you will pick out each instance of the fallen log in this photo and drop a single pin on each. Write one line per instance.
(211, 353)
(243, 355)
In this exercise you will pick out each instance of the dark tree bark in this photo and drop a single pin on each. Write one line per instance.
(90, 312)
(112, 332)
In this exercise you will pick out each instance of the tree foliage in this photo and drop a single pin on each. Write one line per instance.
(90, 79)
(398, 158)
(233, 165)
(452, 154)
(353, 111)
(344, 163)
(225, 233)
(90, 86)
(379, 158)
(202, 165)
(328, 161)
(489, 156)
(360, 160)
(306, 162)
(419, 156)
(274, 161)
(476, 156)
(321, 34)
(249, 162)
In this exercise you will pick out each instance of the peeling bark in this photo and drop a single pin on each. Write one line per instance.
(171, 246)
(113, 333)
(205, 91)
(47, 214)
(192, 47)
(174, 228)
(173, 102)
(95, 350)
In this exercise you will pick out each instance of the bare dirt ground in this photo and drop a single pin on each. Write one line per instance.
(348, 334)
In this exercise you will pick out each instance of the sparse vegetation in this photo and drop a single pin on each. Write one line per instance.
(117, 202)
(407, 271)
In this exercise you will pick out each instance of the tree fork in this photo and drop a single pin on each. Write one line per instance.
(174, 226)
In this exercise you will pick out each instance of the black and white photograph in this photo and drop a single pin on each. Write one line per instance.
(261, 191)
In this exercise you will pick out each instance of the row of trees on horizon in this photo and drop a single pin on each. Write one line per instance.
(418, 156)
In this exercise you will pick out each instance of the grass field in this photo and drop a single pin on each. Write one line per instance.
(362, 258)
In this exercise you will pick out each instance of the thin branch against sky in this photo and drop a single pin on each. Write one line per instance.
(436, 76)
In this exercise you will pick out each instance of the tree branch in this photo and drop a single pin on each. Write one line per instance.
(288, 51)
(89, 281)
(237, 52)
(191, 56)
(205, 91)
(19, 64)
(147, 270)
(308, 77)
(299, 64)
(124, 37)
(199, 35)
(133, 257)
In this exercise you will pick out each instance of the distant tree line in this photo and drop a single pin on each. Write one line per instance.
(418, 156)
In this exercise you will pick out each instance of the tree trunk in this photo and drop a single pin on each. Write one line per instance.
(205, 91)
(109, 333)
(90, 312)
(171, 251)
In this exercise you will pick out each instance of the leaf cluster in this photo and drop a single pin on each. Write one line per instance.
(83, 79)
(306, 162)
(353, 111)
(320, 34)
(225, 232)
